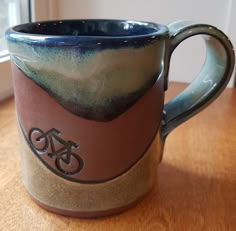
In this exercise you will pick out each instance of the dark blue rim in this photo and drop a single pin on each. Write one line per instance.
(14, 34)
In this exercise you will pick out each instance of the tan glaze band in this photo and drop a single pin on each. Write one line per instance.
(80, 214)
(70, 198)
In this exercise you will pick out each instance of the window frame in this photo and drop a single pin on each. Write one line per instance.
(39, 10)
(6, 88)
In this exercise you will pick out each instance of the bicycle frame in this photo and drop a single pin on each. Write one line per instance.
(53, 133)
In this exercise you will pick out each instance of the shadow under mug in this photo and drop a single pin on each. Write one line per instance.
(89, 97)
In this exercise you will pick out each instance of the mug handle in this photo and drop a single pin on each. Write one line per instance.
(211, 80)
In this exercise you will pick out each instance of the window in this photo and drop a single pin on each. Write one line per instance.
(10, 15)
(12, 12)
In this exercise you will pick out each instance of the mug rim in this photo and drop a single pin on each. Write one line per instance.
(14, 34)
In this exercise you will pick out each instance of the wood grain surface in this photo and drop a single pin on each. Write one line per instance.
(195, 189)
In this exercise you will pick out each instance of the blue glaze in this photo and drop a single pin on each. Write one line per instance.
(96, 69)
(94, 34)
(211, 80)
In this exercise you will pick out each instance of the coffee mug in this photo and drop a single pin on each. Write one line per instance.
(89, 98)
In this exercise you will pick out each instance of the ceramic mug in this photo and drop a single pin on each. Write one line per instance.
(89, 97)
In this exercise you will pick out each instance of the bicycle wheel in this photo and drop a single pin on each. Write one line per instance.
(38, 140)
(69, 163)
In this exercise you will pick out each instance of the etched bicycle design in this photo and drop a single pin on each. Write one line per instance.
(66, 161)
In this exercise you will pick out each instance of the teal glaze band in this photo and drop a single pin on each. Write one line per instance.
(86, 84)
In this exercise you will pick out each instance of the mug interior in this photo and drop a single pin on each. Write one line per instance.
(91, 27)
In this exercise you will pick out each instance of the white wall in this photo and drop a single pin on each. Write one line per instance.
(189, 57)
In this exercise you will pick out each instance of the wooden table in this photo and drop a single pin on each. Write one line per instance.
(195, 189)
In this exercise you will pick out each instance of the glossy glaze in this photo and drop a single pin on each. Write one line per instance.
(211, 80)
(90, 106)
(97, 72)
